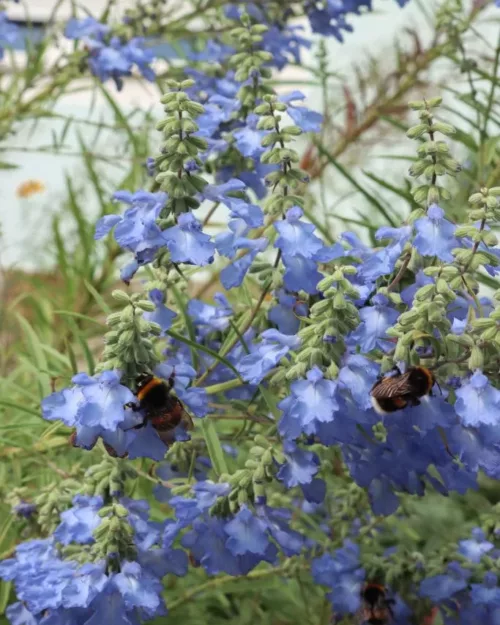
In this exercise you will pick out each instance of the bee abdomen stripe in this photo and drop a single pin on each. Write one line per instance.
(150, 385)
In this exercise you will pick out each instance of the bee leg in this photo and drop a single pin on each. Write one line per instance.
(389, 603)
(415, 401)
(136, 427)
(171, 380)
(133, 406)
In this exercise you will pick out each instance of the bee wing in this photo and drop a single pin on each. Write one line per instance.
(186, 420)
(391, 387)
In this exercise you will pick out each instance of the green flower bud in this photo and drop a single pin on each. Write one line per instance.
(120, 296)
(476, 360)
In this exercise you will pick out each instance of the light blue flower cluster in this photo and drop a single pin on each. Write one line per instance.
(53, 589)
(109, 56)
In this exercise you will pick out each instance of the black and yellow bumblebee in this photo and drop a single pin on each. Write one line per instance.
(160, 408)
(394, 392)
(376, 608)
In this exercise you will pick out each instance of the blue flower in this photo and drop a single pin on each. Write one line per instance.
(300, 466)
(255, 366)
(78, 523)
(134, 50)
(249, 139)
(441, 587)
(278, 525)
(342, 573)
(382, 262)
(301, 274)
(208, 318)
(247, 533)
(478, 402)
(305, 119)
(286, 313)
(115, 60)
(474, 549)
(105, 400)
(435, 235)
(87, 28)
(196, 400)
(488, 592)
(234, 274)
(68, 593)
(18, 614)
(312, 402)
(9, 33)
(296, 236)
(139, 589)
(163, 316)
(228, 243)
(187, 243)
(207, 544)
(358, 375)
(375, 321)
(88, 581)
(284, 43)
(136, 230)
(420, 280)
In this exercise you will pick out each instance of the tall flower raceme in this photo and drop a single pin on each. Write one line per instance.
(103, 563)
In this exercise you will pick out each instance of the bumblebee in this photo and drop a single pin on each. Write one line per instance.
(395, 392)
(376, 608)
(160, 408)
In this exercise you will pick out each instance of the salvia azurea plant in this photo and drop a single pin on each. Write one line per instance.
(281, 492)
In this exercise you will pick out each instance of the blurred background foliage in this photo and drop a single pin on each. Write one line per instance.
(51, 320)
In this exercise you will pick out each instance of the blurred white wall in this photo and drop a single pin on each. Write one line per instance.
(25, 222)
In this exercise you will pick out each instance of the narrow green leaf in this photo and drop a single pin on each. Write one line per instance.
(271, 400)
(4, 165)
(70, 313)
(21, 407)
(98, 298)
(93, 175)
(181, 305)
(372, 199)
(38, 355)
(203, 348)
(5, 588)
(213, 445)
(235, 331)
(403, 193)
(71, 356)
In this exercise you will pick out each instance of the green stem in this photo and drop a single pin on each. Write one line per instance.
(285, 571)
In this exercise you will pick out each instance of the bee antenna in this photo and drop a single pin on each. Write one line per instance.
(438, 385)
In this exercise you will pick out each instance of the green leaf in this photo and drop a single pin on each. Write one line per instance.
(403, 193)
(181, 305)
(4, 165)
(213, 445)
(70, 313)
(21, 407)
(38, 355)
(271, 400)
(203, 348)
(5, 588)
(93, 175)
(98, 298)
(372, 199)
